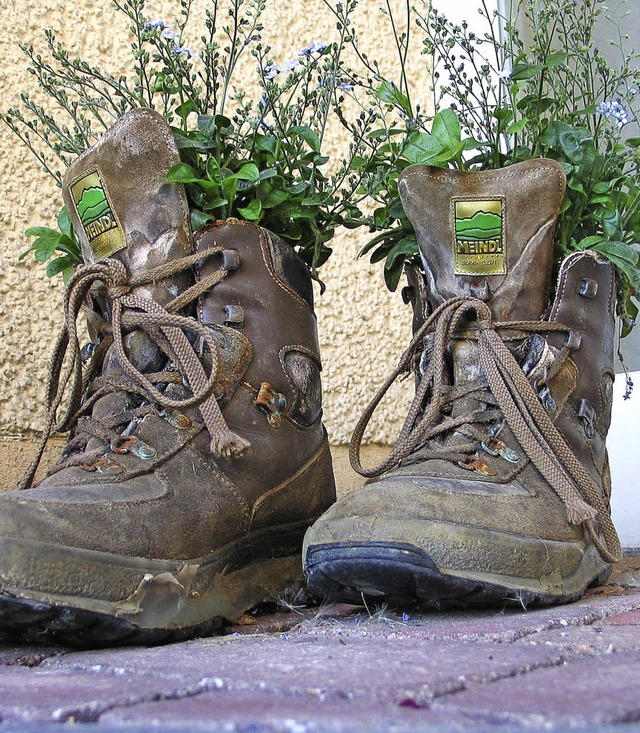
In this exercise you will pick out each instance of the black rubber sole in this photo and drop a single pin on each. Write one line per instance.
(224, 586)
(24, 620)
(404, 575)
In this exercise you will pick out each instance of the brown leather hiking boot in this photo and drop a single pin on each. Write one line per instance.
(197, 457)
(498, 487)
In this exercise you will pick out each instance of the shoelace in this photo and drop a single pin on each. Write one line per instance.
(514, 399)
(164, 326)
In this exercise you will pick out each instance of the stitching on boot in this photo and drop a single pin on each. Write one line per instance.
(244, 506)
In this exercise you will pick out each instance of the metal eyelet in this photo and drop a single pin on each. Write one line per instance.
(496, 448)
(548, 402)
(588, 416)
(176, 419)
(234, 316)
(105, 466)
(133, 444)
(230, 259)
(272, 403)
(477, 463)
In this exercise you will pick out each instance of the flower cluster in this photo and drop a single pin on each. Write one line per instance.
(503, 97)
(615, 110)
(262, 159)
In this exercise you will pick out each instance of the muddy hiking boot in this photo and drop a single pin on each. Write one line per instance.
(498, 487)
(197, 457)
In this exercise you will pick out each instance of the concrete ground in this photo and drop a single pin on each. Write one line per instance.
(343, 668)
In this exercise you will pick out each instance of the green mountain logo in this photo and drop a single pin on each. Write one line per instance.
(92, 205)
(483, 225)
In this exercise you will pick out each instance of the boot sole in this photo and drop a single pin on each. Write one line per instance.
(403, 574)
(93, 599)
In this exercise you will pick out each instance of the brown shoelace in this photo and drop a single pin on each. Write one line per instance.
(164, 326)
(507, 395)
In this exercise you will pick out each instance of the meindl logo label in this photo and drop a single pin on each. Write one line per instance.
(99, 221)
(478, 236)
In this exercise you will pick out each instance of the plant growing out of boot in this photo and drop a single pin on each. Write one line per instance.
(498, 486)
(196, 457)
(250, 131)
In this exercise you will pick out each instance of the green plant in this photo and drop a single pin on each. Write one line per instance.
(58, 247)
(500, 100)
(251, 148)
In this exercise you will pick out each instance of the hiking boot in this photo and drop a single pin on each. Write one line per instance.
(197, 457)
(498, 487)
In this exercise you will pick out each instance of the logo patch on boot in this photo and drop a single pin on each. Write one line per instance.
(478, 236)
(98, 219)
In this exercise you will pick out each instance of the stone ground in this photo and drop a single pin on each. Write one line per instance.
(342, 668)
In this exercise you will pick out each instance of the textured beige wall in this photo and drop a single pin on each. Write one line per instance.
(363, 328)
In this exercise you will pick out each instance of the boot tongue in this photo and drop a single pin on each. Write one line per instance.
(121, 206)
(487, 234)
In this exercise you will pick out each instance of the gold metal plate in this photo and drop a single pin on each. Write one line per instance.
(478, 236)
(98, 219)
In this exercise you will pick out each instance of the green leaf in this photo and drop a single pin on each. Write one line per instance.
(60, 264)
(525, 71)
(557, 58)
(64, 223)
(266, 143)
(388, 92)
(590, 242)
(516, 127)
(308, 135)
(407, 247)
(421, 147)
(182, 173)
(631, 314)
(248, 172)
(185, 109)
(272, 196)
(213, 171)
(229, 188)
(200, 218)
(620, 250)
(42, 232)
(626, 265)
(446, 128)
(44, 248)
(252, 212)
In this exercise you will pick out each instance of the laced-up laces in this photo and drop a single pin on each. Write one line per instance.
(167, 330)
(434, 429)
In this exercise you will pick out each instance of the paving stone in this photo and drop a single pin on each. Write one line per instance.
(379, 670)
(589, 691)
(583, 640)
(347, 670)
(265, 712)
(501, 625)
(36, 695)
(630, 618)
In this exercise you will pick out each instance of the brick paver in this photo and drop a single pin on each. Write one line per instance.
(341, 669)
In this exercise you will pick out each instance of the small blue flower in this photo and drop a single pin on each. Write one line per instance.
(155, 24)
(614, 110)
(184, 51)
(270, 72)
(317, 47)
(168, 34)
(289, 65)
(347, 86)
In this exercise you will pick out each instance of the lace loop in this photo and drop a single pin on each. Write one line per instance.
(164, 326)
(427, 423)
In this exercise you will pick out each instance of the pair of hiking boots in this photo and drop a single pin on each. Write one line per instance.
(197, 461)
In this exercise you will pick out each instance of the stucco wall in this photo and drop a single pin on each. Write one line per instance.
(363, 328)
